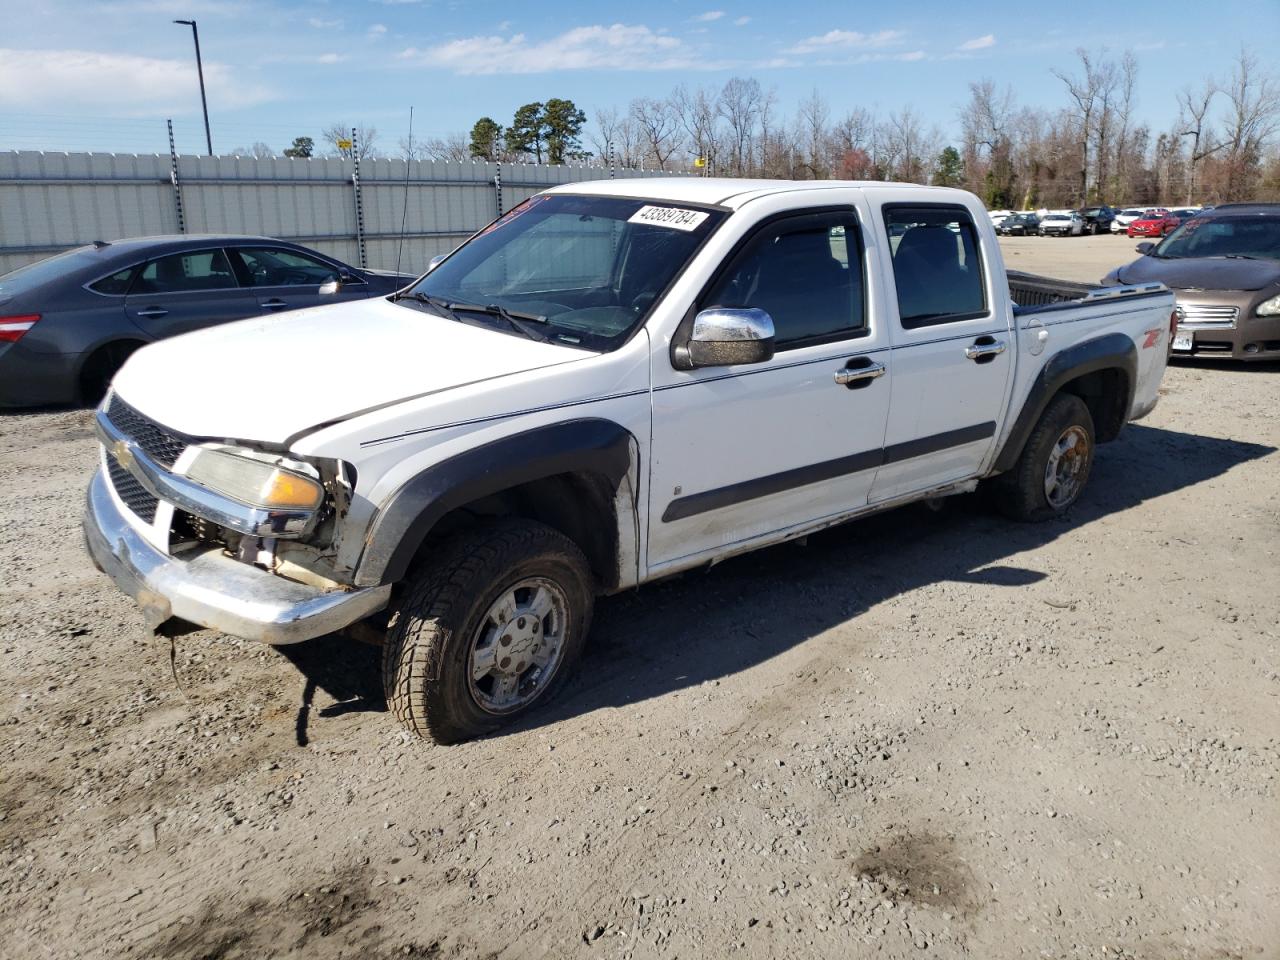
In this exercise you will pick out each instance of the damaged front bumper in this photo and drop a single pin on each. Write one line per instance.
(211, 589)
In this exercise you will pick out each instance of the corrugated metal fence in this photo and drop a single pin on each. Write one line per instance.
(54, 201)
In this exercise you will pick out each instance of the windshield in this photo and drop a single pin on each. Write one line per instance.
(27, 278)
(1255, 236)
(585, 269)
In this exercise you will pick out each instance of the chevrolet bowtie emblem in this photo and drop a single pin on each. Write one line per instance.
(123, 454)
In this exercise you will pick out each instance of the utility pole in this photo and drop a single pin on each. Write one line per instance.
(195, 35)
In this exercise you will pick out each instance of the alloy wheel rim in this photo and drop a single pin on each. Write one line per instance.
(1063, 472)
(518, 646)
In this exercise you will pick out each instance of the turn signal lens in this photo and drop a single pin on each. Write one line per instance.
(12, 328)
(254, 482)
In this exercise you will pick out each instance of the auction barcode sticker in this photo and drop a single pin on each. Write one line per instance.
(671, 217)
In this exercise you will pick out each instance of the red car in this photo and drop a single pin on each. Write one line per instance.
(1154, 223)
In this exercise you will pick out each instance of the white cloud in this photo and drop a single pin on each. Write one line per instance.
(376, 32)
(835, 40)
(597, 47)
(979, 43)
(709, 16)
(128, 84)
(742, 21)
(324, 24)
(321, 58)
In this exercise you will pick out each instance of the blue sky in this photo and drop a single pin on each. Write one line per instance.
(104, 75)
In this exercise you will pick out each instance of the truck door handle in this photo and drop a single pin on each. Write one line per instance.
(859, 373)
(150, 313)
(984, 349)
(275, 303)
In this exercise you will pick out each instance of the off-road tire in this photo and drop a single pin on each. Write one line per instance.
(426, 657)
(1020, 493)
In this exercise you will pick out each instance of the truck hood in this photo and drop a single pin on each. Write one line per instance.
(270, 378)
(1207, 273)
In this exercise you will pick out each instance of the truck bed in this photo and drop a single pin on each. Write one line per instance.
(1032, 293)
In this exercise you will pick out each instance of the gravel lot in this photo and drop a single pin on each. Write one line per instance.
(919, 735)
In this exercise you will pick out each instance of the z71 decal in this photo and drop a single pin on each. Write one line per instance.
(1153, 338)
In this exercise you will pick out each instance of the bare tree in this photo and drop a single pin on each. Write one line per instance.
(338, 133)
(812, 135)
(1125, 135)
(412, 148)
(259, 151)
(1089, 92)
(1252, 120)
(659, 129)
(987, 154)
(1193, 122)
(850, 138)
(699, 115)
(906, 150)
(455, 147)
(741, 104)
(604, 138)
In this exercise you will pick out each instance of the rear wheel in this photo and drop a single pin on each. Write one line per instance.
(103, 364)
(1054, 465)
(487, 628)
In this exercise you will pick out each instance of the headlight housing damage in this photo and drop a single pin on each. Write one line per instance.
(255, 482)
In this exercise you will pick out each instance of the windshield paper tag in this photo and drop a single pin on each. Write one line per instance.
(670, 217)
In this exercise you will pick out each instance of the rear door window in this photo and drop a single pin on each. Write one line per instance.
(186, 272)
(937, 267)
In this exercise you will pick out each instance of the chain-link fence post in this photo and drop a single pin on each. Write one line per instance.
(355, 186)
(173, 178)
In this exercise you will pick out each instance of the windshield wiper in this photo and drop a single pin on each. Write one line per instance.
(1240, 256)
(438, 303)
(518, 321)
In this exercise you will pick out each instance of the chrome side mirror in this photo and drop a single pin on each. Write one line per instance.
(725, 336)
(435, 261)
(331, 286)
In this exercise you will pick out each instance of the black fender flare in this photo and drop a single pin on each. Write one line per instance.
(1107, 352)
(588, 445)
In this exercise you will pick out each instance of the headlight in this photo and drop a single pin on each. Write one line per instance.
(255, 482)
(1269, 308)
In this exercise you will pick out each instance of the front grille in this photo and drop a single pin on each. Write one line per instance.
(1207, 314)
(160, 444)
(135, 495)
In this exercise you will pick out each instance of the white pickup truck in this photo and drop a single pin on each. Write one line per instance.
(611, 383)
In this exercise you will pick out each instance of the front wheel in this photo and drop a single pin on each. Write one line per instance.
(1054, 464)
(486, 629)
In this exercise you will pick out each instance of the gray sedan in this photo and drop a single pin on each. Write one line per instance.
(67, 323)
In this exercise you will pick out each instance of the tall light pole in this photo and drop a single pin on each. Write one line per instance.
(195, 34)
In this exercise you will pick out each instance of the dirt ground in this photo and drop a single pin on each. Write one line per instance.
(920, 735)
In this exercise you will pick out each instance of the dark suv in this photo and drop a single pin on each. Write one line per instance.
(1097, 219)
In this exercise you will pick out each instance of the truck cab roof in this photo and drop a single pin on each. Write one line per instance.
(733, 192)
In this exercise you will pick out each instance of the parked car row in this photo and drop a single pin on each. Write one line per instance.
(1090, 221)
(68, 323)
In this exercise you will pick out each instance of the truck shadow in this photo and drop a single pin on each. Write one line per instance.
(708, 624)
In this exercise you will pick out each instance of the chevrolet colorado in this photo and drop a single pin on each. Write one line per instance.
(610, 383)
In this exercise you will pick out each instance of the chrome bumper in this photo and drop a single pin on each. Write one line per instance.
(211, 589)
